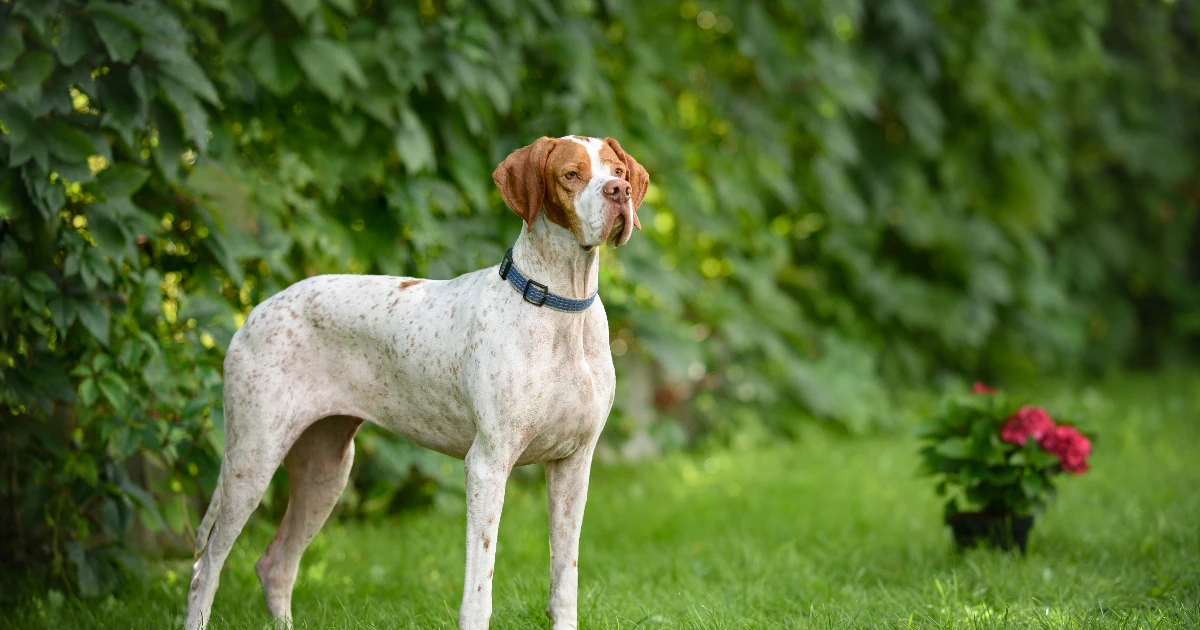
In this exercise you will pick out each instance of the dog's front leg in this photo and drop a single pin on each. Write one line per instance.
(566, 486)
(487, 468)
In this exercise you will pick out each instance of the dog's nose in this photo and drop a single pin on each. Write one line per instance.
(617, 190)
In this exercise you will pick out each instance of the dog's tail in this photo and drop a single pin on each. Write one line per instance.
(210, 515)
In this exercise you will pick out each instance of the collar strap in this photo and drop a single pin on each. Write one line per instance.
(537, 293)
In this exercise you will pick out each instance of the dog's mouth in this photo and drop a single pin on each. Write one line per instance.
(618, 229)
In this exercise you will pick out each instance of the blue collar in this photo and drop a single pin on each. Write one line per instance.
(537, 293)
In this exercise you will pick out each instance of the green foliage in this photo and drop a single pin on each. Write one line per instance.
(977, 470)
(845, 198)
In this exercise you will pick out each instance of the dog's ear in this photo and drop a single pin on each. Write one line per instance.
(521, 178)
(638, 178)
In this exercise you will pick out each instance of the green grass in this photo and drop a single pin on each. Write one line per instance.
(826, 533)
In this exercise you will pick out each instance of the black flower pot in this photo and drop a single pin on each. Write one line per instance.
(1001, 531)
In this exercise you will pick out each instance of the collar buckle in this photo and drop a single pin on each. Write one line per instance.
(530, 284)
(506, 264)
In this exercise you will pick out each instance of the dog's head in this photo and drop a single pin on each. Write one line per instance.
(589, 186)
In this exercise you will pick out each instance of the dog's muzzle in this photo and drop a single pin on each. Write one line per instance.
(617, 194)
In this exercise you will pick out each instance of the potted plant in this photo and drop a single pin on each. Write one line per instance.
(996, 461)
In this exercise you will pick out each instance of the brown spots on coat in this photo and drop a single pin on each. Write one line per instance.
(574, 563)
(487, 542)
(408, 283)
(490, 571)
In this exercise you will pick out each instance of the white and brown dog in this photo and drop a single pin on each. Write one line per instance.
(501, 367)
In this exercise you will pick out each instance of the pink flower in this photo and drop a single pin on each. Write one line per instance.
(1070, 446)
(1026, 423)
(980, 388)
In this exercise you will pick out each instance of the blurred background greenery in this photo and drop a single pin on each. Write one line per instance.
(850, 202)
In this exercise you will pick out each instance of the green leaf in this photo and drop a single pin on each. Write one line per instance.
(126, 102)
(21, 152)
(36, 301)
(325, 63)
(144, 500)
(216, 244)
(74, 41)
(81, 370)
(101, 363)
(40, 281)
(62, 311)
(345, 6)
(88, 275)
(413, 144)
(94, 261)
(195, 118)
(1039, 458)
(1032, 486)
(85, 574)
(88, 392)
(36, 11)
(11, 45)
(72, 171)
(110, 236)
(954, 448)
(47, 195)
(344, 59)
(17, 121)
(319, 68)
(122, 180)
(120, 40)
(351, 127)
(114, 389)
(33, 68)
(301, 8)
(272, 64)
(95, 318)
(71, 264)
(170, 141)
(188, 73)
(68, 143)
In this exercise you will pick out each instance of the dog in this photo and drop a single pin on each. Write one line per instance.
(501, 367)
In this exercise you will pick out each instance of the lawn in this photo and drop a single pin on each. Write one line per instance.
(828, 532)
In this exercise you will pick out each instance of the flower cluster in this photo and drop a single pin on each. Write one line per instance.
(1070, 447)
(1065, 442)
(1027, 422)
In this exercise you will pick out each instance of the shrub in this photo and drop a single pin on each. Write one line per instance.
(991, 455)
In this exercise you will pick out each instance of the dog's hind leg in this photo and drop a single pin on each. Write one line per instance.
(318, 467)
(245, 474)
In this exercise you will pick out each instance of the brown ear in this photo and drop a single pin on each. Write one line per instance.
(521, 178)
(638, 178)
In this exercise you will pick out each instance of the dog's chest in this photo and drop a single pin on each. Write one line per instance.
(549, 376)
(577, 408)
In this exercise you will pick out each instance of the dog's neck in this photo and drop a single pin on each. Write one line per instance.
(551, 255)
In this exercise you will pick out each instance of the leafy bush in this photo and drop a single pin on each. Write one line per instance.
(846, 199)
(993, 456)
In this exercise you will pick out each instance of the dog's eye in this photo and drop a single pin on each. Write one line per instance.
(619, 172)
(571, 176)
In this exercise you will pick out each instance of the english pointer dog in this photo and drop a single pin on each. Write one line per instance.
(501, 367)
